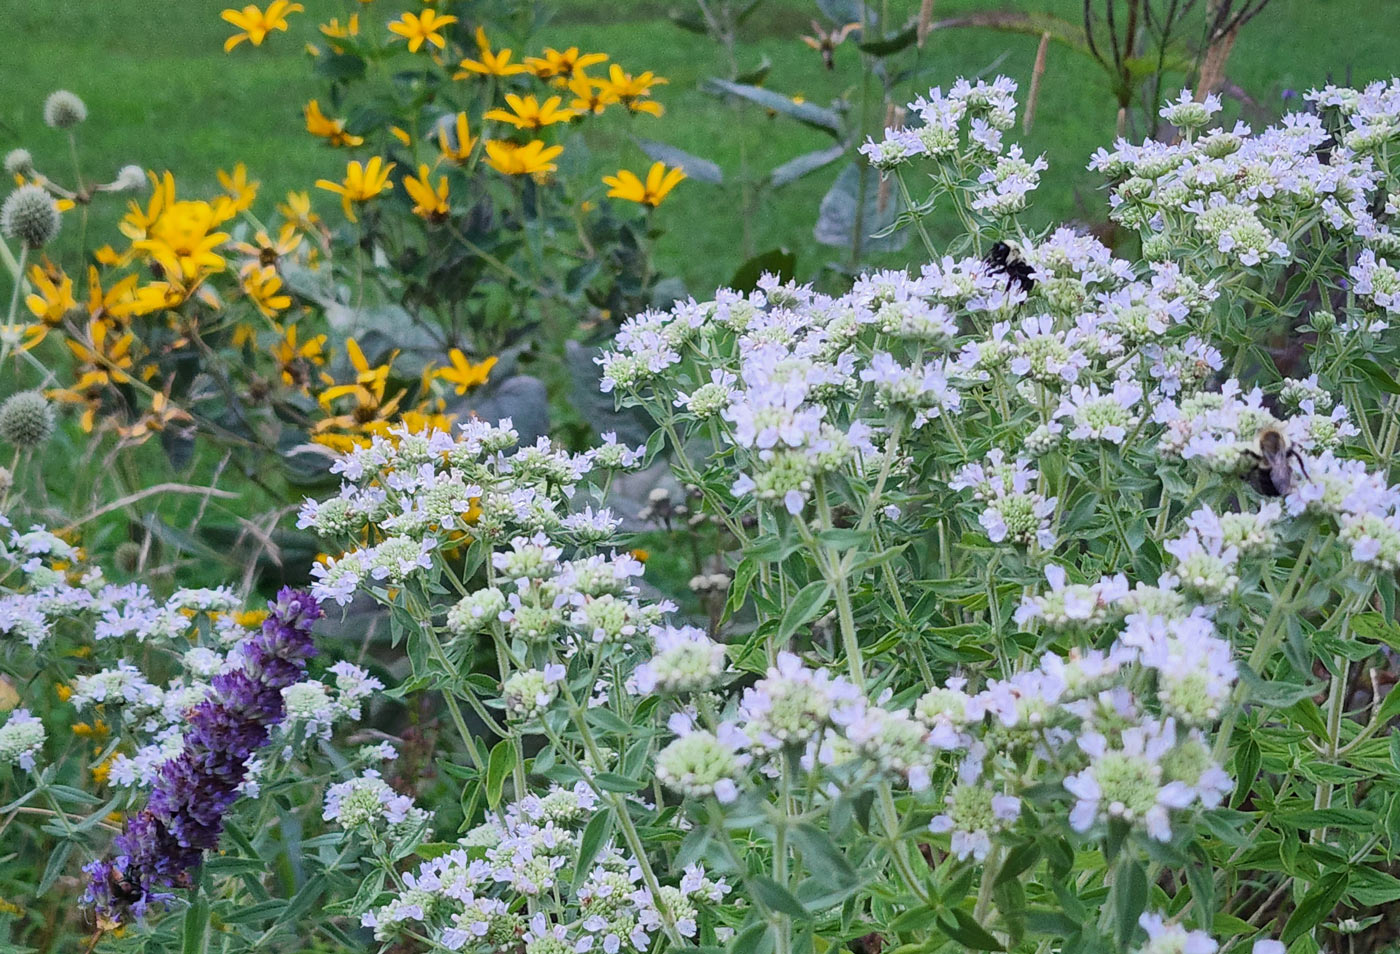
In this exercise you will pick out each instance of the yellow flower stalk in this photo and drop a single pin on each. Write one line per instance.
(297, 211)
(458, 146)
(659, 182)
(265, 250)
(255, 24)
(239, 192)
(52, 297)
(297, 358)
(464, 374)
(430, 202)
(423, 27)
(362, 183)
(526, 112)
(332, 130)
(591, 96)
(263, 287)
(335, 30)
(182, 244)
(634, 91)
(533, 158)
(113, 301)
(489, 63)
(568, 64)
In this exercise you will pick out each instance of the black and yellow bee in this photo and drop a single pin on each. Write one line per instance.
(1005, 259)
(1272, 472)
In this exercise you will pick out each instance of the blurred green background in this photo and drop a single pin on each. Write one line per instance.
(163, 94)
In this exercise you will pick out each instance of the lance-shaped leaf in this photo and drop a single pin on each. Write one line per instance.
(805, 164)
(701, 170)
(818, 117)
(838, 218)
(891, 43)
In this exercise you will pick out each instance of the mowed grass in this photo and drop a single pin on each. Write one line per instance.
(162, 94)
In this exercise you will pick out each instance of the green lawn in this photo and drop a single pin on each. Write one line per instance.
(162, 94)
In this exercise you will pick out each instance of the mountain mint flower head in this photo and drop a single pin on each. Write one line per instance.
(974, 814)
(701, 763)
(1164, 938)
(26, 420)
(64, 110)
(527, 694)
(1126, 782)
(476, 611)
(367, 801)
(685, 660)
(1187, 114)
(21, 739)
(30, 215)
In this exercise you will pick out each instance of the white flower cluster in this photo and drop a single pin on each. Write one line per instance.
(51, 591)
(21, 739)
(366, 801)
(463, 900)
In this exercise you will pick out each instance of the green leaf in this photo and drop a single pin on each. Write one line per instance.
(58, 860)
(755, 939)
(892, 43)
(803, 608)
(498, 767)
(701, 170)
(195, 929)
(878, 209)
(1129, 900)
(1354, 818)
(776, 898)
(823, 858)
(612, 782)
(1377, 628)
(1377, 375)
(1275, 694)
(340, 66)
(804, 165)
(594, 835)
(776, 261)
(435, 849)
(969, 933)
(1316, 905)
(756, 76)
(1019, 859)
(812, 115)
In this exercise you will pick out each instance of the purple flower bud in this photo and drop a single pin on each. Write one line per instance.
(183, 818)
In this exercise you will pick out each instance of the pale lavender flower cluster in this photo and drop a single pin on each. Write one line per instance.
(462, 900)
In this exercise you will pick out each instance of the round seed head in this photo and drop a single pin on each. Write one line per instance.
(64, 110)
(30, 214)
(26, 419)
(19, 162)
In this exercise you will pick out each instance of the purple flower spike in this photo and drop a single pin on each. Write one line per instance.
(184, 817)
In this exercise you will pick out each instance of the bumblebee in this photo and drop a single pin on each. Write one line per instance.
(1005, 259)
(124, 891)
(1272, 471)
